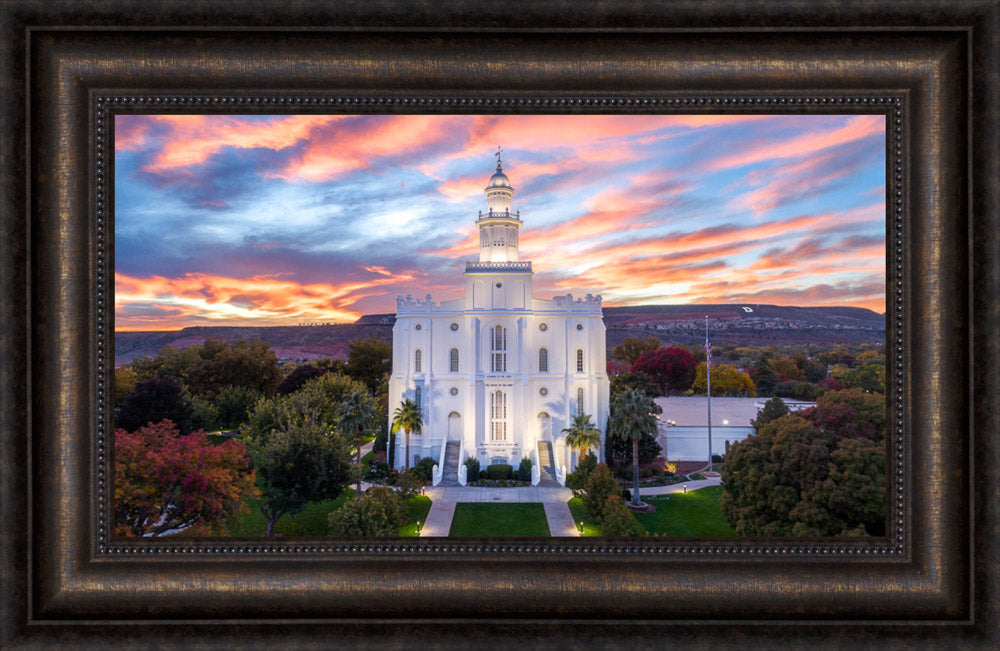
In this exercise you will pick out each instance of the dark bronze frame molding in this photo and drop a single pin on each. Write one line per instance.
(933, 70)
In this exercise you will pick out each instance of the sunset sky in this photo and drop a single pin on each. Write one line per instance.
(278, 220)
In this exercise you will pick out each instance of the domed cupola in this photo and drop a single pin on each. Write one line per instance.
(499, 191)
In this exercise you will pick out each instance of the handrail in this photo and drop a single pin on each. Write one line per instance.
(437, 473)
(536, 471)
(463, 470)
(561, 475)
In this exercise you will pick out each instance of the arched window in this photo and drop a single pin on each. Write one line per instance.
(498, 350)
(498, 415)
(454, 360)
(417, 395)
(543, 360)
(579, 360)
(417, 355)
(579, 400)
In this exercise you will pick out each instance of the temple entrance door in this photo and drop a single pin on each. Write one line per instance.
(454, 426)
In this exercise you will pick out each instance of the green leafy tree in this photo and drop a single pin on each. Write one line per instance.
(125, 380)
(154, 400)
(409, 418)
(235, 404)
(870, 407)
(764, 378)
(634, 380)
(633, 347)
(356, 414)
(671, 368)
(380, 512)
(793, 479)
(773, 409)
(582, 434)
(632, 416)
(598, 489)
(251, 364)
(296, 464)
(726, 381)
(618, 522)
(870, 378)
(298, 377)
(168, 362)
(166, 483)
(577, 479)
(369, 359)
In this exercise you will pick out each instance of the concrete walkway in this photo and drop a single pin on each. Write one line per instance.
(552, 498)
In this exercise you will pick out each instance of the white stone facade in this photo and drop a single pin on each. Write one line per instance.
(498, 370)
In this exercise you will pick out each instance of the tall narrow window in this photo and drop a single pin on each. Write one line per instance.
(579, 360)
(579, 400)
(417, 360)
(417, 395)
(498, 415)
(498, 350)
(543, 360)
(454, 360)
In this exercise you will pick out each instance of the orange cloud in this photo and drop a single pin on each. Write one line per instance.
(259, 299)
(194, 139)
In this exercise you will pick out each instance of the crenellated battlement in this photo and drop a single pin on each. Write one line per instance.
(589, 304)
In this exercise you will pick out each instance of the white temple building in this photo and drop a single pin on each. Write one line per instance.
(498, 374)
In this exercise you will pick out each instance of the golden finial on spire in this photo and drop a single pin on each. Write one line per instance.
(499, 162)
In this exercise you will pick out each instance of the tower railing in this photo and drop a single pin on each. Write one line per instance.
(496, 214)
(514, 265)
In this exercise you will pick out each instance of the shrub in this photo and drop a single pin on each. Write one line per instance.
(471, 469)
(377, 471)
(618, 521)
(379, 512)
(716, 458)
(499, 471)
(381, 440)
(599, 487)
(524, 470)
(578, 478)
(409, 484)
(482, 474)
(425, 468)
(670, 467)
(646, 472)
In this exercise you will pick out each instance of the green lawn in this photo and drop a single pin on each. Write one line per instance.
(417, 508)
(499, 521)
(695, 513)
(590, 528)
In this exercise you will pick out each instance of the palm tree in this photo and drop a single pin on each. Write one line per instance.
(582, 434)
(408, 418)
(356, 413)
(631, 417)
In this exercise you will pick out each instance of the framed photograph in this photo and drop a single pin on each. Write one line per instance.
(89, 83)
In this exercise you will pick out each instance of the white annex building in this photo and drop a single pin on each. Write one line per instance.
(498, 374)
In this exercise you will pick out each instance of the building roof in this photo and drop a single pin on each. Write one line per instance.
(688, 411)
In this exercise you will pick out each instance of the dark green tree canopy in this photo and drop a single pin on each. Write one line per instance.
(251, 364)
(368, 360)
(154, 400)
(794, 478)
(773, 409)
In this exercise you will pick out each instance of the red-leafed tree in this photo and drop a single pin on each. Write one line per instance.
(671, 368)
(168, 483)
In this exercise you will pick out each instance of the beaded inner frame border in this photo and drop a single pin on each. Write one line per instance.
(103, 109)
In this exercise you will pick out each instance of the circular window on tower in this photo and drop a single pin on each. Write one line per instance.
(418, 327)
(579, 326)
(543, 326)
(454, 391)
(543, 391)
(499, 284)
(454, 327)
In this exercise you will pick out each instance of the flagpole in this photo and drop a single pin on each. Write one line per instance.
(708, 377)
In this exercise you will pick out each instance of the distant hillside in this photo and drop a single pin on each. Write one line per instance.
(746, 325)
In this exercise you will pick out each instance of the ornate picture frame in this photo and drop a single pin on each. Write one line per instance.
(933, 75)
